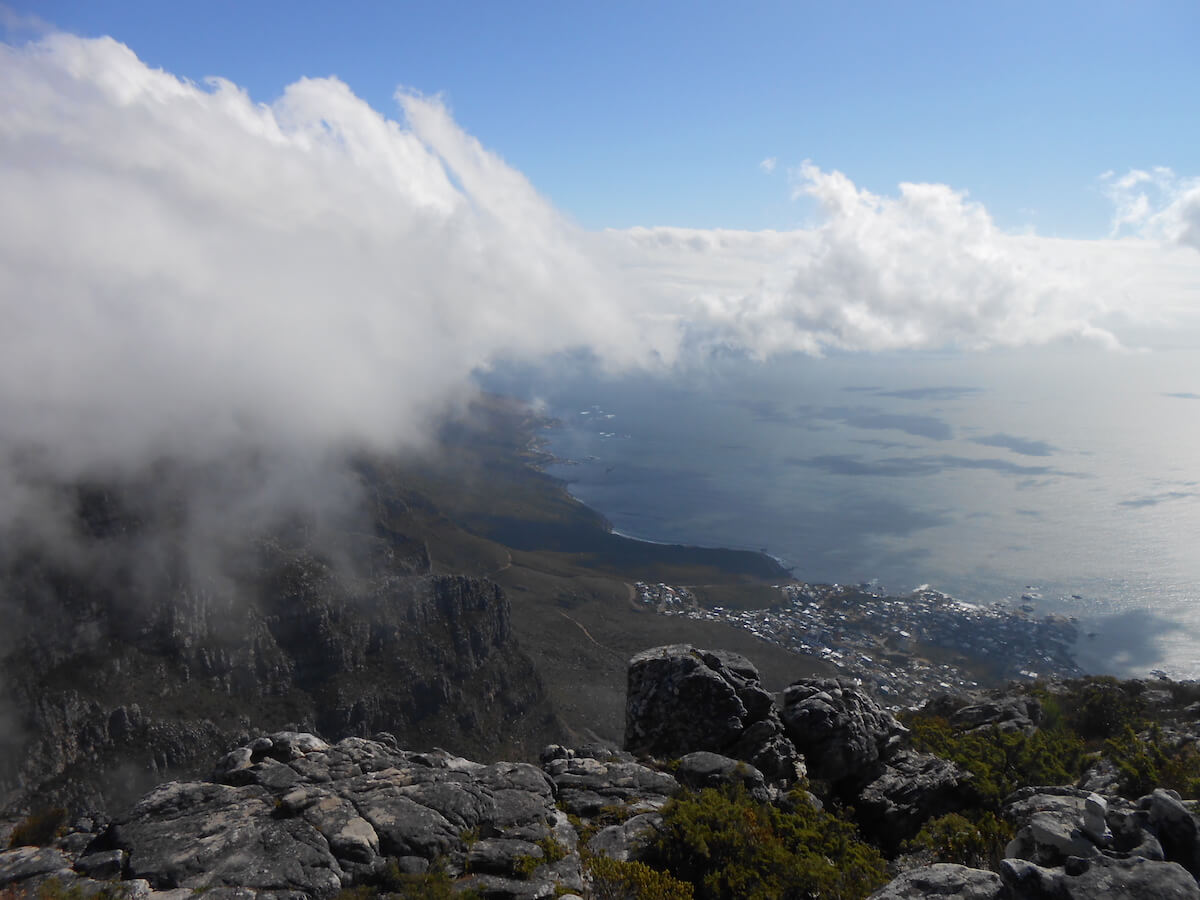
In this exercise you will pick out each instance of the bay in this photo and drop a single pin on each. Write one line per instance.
(1067, 475)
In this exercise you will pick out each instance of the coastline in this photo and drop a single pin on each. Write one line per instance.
(961, 648)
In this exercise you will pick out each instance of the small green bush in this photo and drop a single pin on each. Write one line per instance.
(615, 880)
(1002, 761)
(1145, 764)
(954, 838)
(552, 852)
(727, 845)
(1105, 707)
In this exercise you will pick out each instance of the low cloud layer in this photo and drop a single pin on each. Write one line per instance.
(185, 270)
(182, 267)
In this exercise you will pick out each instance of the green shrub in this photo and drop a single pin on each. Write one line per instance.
(727, 845)
(525, 866)
(1053, 715)
(615, 880)
(435, 884)
(552, 852)
(1145, 764)
(1105, 707)
(954, 838)
(39, 828)
(1002, 761)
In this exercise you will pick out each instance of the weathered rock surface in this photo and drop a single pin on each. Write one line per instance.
(587, 785)
(843, 734)
(681, 699)
(290, 815)
(628, 839)
(912, 788)
(1099, 878)
(211, 835)
(1175, 826)
(176, 673)
(1007, 713)
(1049, 823)
(944, 880)
(23, 863)
(1056, 823)
(703, 769)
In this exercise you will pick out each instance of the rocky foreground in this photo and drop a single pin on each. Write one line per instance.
(290, 815)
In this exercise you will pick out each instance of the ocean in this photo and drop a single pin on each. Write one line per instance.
(1069, 475)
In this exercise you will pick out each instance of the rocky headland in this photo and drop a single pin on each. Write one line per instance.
(289, 814)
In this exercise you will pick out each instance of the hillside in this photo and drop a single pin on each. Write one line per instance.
(139, 645)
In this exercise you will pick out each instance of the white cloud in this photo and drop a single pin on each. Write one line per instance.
(181, 267)
(924, 269)
(184, 270)
(768, 164)
(1156, 204)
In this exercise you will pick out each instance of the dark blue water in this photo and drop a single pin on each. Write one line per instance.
(1071, 475)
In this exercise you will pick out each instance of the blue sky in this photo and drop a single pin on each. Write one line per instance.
(322, 260)
(659, 113)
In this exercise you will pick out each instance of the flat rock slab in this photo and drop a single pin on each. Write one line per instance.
(586, 786)
(1100, 878)
(201, 835)
(23, 863)
(299, 817)
(944, 880)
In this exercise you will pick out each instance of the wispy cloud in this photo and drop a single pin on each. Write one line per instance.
(1020, 445)
(1156, 499)
(768, 164)
(867, 418)
(919, 466)
(15, 25)
(1155, 203)
(935, 393)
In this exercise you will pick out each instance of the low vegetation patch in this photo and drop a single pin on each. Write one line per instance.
(1002, 761)
(1153, 761)
(39, 828)
(552, 852)
(435, 884)
(616, 880)
(727, 845)
(977, 842)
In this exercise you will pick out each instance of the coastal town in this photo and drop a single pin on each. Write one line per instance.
(903, 647)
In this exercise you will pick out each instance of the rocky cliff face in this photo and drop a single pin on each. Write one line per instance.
(289, 815)
(119, 673)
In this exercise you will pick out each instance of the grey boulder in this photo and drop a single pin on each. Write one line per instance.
(945, 880)
(681, 699)
(1099, 878)
(912, 788)
(843, 733)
